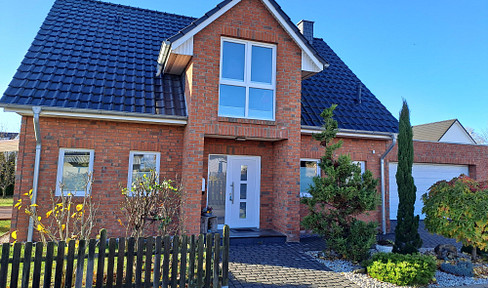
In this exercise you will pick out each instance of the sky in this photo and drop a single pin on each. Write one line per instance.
(432, 53)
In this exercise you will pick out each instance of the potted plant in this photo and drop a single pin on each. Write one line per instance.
(385, 246)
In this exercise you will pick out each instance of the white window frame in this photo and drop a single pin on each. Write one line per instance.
(131, 162)
(303, 193)
(59, 178)
(247, 83)
(362, 165)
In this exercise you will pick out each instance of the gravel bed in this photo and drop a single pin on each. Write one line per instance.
(346, 268)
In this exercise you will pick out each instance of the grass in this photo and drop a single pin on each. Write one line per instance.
(9, 201)
(4, 226)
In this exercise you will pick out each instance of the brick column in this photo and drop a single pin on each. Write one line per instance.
(286, 194)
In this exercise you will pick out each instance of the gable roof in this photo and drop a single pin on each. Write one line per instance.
(358, 109)
(96, 57)
(196, 26)
(435, 131)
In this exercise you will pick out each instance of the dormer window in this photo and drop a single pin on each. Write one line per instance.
(247, 79)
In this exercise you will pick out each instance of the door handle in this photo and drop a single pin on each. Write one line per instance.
(231, 196)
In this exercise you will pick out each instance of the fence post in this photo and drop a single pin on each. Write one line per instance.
(101, 257)
(225, 258)
(80, 264)
(4, 264)
(216, 272)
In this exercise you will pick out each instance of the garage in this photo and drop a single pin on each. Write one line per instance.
(424, 176)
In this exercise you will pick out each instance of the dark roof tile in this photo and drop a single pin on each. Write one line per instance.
(339, 85)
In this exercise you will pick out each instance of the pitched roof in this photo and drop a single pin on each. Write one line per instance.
(432, 131)
(99, 56)
(95, 56)
(358, 108)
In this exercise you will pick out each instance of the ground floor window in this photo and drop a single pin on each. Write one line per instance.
(309, 168)
(74, 168)
(141, 163)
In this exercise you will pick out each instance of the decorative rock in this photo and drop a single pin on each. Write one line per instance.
(359, 271)
(446, 251)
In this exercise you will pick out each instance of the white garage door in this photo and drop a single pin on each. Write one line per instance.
(424, 176)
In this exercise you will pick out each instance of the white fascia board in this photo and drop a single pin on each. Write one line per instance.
(204, 24)
(308, 64)
(352, 133)
(271, 8)
(186, 48)
(106, 117)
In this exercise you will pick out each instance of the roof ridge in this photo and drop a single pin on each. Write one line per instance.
(437, 122)
(130, 7)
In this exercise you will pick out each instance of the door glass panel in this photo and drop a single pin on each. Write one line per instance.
(242, 210)
(217, 175)
(243, 191)
(243, 172)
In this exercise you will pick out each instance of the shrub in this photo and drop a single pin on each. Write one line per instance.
(399, 269)
(339, 197)
(149, 201)
(70, 217)
(459, 269)
(457, 209)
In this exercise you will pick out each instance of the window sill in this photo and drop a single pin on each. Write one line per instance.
(246, 121)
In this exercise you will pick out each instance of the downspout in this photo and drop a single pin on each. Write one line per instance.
(37, 131)
(383, 189)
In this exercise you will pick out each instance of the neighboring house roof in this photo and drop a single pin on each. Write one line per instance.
(8, 135)
(358, 108)
(92, 56)
(443, 131)
(9, 145)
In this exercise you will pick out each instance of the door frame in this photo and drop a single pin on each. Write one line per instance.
(227, 184)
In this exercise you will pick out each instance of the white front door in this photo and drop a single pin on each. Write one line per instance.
(243, 191)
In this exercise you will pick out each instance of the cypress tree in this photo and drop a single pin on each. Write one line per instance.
(407, 238)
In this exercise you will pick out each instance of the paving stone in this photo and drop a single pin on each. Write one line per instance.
(282, 265)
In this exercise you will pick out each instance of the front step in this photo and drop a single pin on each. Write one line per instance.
(255, 236)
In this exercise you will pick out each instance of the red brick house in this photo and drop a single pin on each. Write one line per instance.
(231, 98)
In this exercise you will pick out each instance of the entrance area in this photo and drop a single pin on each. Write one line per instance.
(234, 189)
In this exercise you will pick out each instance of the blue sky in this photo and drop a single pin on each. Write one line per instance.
(432, 53)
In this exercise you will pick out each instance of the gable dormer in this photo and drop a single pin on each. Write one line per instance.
(177, 51)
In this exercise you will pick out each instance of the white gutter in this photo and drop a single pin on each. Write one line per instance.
(383, 189)
(101, 115)
(349, 133)
(37, 130)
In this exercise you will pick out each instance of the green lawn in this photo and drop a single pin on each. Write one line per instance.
(9, 201)
(4, 226)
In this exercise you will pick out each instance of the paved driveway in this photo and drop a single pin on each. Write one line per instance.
(281, 265)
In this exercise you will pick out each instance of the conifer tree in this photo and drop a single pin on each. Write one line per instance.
(339, 197)
(407, 238)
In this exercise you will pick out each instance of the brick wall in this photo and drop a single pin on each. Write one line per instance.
(475, 156)
(249, 20)
(112, 142)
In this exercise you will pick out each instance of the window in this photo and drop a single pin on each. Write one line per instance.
(141, 163)
(361, 164)
(309, 168)
(247, 79)
(74, 167)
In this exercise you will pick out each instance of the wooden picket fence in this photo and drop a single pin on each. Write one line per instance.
(185, 261)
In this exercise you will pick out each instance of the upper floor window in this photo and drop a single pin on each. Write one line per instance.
(74, 169)
(141, 163)
(247, 79)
